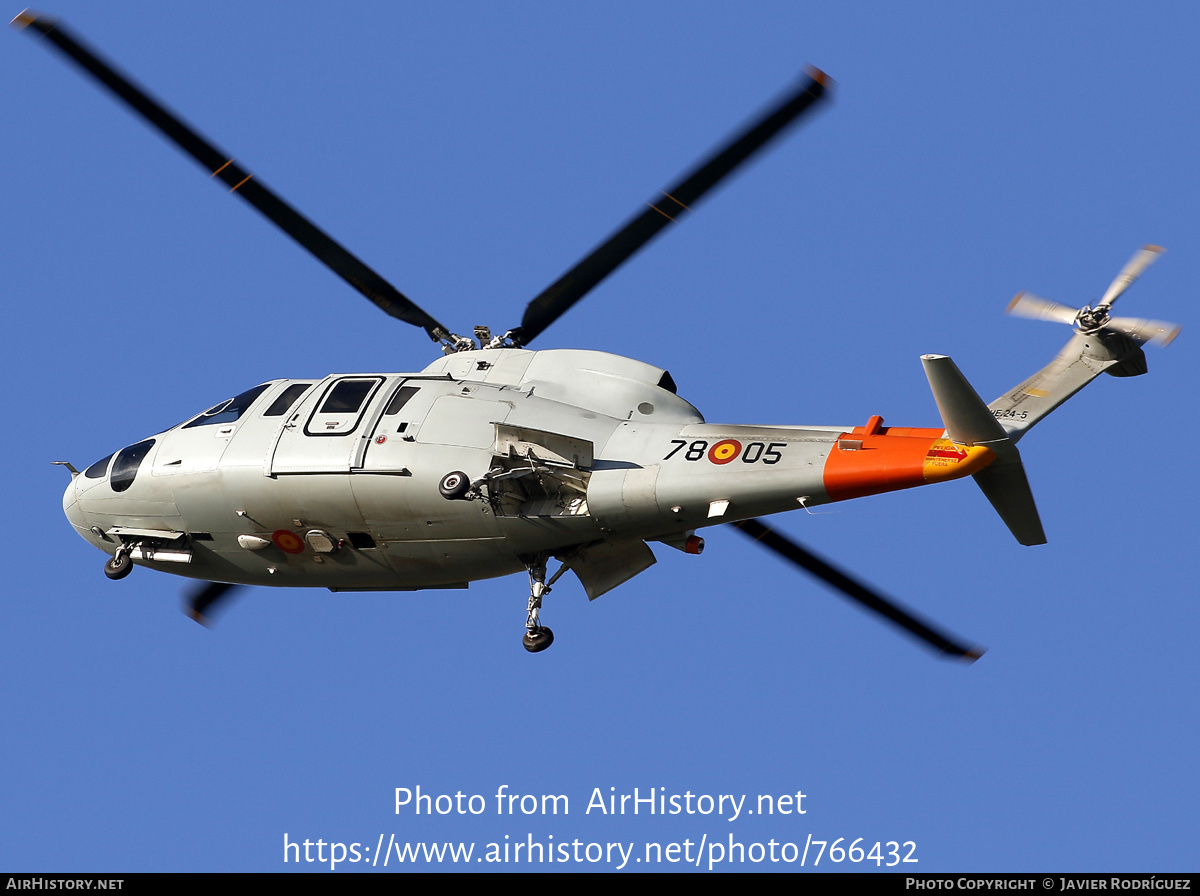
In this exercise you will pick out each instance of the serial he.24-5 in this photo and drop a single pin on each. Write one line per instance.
(495, 459)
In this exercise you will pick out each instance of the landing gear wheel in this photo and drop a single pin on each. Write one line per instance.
(454, 485)
(118, 567)
(538, 639)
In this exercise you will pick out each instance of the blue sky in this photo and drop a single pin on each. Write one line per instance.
(473, 152)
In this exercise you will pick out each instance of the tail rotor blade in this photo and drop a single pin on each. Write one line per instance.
(1026, 304)
(1159, 332)
(855, 590)
(200, 601)
(1142, 259)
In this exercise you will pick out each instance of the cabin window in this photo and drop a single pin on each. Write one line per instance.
(98, 469)
(347, 396)
(400, 399)
(127, 463)
(230, 410)
(287, 398)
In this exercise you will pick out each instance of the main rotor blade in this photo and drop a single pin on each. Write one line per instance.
(1142, 259)
(572, 286)
(201, 599)
(857, 591)
(221, 166)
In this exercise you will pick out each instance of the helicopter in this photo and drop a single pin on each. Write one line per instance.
(495, 459)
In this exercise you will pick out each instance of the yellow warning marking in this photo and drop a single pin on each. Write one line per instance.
(23, 19)
(222, 168)
(1037, 393)
(240, 182)
(948, 460)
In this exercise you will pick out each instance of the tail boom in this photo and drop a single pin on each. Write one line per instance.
(1080, 361)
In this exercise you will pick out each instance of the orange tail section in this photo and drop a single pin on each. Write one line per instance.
(873, 459)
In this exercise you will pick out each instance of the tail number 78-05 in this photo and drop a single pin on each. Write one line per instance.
(727, 450)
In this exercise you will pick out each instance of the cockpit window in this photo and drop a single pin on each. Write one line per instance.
(127, 463)
(98, 469)
(229, 410)
(287, 398)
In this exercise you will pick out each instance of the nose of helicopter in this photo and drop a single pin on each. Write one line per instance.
(76, 516)
(71, 508)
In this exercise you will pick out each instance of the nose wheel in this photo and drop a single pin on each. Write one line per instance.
(120, 565)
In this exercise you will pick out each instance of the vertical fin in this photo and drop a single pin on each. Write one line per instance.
(969, 421)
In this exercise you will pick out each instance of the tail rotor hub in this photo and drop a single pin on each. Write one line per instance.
(1091, 319)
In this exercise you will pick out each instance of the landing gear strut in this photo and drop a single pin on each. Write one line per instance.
(537, 637)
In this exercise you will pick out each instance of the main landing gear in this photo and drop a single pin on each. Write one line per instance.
(537, 636)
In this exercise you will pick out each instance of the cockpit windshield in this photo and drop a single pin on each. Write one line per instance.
(229, 410)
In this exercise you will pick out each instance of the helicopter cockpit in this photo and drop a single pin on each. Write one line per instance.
(229, 410)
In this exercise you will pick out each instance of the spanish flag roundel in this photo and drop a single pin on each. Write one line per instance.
(725, 451)
(288, 541)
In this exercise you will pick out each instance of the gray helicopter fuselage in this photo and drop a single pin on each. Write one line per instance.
(335, 483)
(494, 458)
